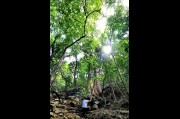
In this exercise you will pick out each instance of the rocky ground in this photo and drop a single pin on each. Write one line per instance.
(71, 109)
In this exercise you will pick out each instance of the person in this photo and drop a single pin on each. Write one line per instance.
(85, 106)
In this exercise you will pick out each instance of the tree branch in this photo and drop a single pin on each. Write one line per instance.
(85, 8)
(62, 55)
(65, 78)
(53, 71)
(52, 46)
(87, 18)
(93, 12)
(78, 20)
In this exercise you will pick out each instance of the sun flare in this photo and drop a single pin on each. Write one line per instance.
(107, 49)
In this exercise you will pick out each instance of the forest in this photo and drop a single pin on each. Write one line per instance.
(89, 59)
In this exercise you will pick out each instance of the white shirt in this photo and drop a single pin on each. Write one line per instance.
(84, 103)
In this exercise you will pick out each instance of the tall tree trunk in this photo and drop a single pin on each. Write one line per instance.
(63, 77)
(75, 73)
(95, 72)
(95, 75)
(65, 88)
(119, 75)
(53, 73)
(118, 69)
(104, 77)
(89, 77)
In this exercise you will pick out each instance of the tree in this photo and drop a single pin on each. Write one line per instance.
(72, 28)
(70, 21)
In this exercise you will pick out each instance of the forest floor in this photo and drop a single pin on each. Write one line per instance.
(71, 109)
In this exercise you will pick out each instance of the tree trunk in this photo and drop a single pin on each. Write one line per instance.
(89, 77)
(119, 75)
(75, 73)
(95, 72)
(104, 80)
(54, 71)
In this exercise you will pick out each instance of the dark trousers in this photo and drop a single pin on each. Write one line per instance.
(84, 111)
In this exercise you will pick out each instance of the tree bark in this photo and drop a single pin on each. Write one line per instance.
(89, 77)
(75, 73)
(95, 72)
(104, 77)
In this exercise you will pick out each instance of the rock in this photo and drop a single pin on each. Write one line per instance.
(74, 103)
(54, 108)
(64, 111)
(55, 102)
(60, 100)
(72, 111)
(71, 97)
(55, 116)
(52, 104)
(56, 99)
(65, 117)
(95, 106)
(96, 102)
(77, 100)
(77, 117)
(51, 113)
(71, 108)
(61, 114)
(62, 106)
(57, 111)
(64, 102)
(71, 116)
(119, 117)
